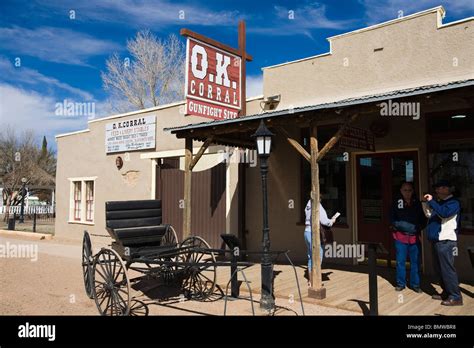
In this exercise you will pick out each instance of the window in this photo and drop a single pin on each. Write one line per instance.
(460, 172)
(89, 201)
(77, 200)
(450, 142)
(332, 176)
(82, 200)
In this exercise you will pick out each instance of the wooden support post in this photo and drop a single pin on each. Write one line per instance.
(336, 137)
(296, 145)
(316, 290)
(188, 156)
(243, 82)
(200, 153)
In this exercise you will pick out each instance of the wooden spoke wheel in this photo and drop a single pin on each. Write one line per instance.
(168, 272)
(200, 275)
(87, 261)
(111, 285)
(138, 309)
(170, 238)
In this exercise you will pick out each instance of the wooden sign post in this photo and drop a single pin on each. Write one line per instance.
(214, 88)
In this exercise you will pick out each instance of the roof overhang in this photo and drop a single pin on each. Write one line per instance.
(236, 132)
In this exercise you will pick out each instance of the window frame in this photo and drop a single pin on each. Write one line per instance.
(84, 202)
(77, 197)
(90, 202)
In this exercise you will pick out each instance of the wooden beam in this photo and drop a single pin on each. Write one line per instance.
(203, 148)
(329, 145)
(316, 290)
(243, 74)
(252, 124)
(235, 142)
(218, 130)
(188, 155)
(296, 145)
(212, 42)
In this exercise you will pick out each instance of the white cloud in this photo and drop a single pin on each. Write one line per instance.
(56, 45)
(254, 86)
(300, 20)
(29, 100)
(34, 78)
(139, 13)
(30, 110)
(378, 11)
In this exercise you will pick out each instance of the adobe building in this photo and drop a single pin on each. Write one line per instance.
(404, 89)
(93, 168)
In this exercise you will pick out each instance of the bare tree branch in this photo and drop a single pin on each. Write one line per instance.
(154, 75)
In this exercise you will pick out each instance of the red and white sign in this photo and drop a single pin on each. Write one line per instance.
(213, 81)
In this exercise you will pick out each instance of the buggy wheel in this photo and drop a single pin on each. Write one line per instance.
(111, 285)
(138, 308)
(87, 261)
(170, 237)
(168, 272)
(200, 275)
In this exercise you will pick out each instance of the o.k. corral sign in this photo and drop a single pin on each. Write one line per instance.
(130, 135)
(213, 81)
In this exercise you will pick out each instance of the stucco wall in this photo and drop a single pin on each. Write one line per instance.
(416, 52)
(83, 155)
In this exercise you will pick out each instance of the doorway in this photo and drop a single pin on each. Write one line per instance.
(378, 181)
(208, 204)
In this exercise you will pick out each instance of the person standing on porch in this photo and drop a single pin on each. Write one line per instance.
(323, 220)
(407, 220)
(443, 225)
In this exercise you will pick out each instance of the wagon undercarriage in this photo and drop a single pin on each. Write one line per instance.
(150, 251)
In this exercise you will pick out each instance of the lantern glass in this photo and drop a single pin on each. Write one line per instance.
(268, 145)
(261, 145)
(263, 138)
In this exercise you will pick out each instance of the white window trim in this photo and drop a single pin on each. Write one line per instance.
(83, 220)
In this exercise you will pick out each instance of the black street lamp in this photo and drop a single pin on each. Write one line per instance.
(23, 193)
(264, 143)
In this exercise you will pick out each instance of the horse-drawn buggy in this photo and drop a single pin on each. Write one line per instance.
(143, 244)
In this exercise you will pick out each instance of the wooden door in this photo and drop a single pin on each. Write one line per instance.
(208, 199)
(378, 181)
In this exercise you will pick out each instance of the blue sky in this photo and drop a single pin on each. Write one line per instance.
(62, 57)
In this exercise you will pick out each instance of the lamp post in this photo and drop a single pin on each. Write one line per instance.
(263, 138)
(22, 210)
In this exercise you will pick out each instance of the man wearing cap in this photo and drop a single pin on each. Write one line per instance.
(442, 229)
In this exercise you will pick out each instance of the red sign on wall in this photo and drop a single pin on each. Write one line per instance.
(213, 81)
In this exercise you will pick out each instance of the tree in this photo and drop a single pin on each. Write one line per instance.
(21, 157)
(44, 147)
(154, 76)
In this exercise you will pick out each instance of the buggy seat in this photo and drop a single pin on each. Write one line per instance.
(135, 225)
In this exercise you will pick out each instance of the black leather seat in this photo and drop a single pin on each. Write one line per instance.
(140, 235)
(135, 223)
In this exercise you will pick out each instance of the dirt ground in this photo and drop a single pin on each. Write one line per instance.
(53, 285)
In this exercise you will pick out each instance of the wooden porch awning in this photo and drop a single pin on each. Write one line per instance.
(236, 132)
